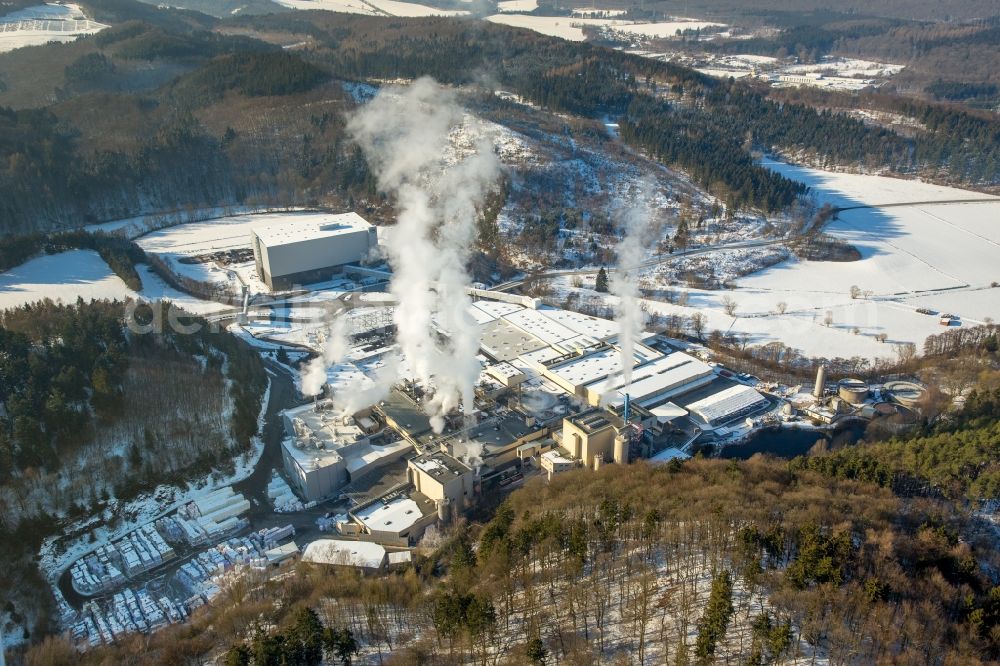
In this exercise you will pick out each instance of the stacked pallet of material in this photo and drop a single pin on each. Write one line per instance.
(215, 500)
(273, 535)
(280, 494)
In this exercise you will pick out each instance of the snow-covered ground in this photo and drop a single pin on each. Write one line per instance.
(343, 6)
(849, 189)
(373, 7)
(61, 277)
(848, 67)
(571, 28)
(396, 8)
(935, 254)
(941, 256)
(510, 6)
(155, 289)
(133, 227)
(83, 274)
(45, 23)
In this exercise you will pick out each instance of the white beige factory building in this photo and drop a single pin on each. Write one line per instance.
(311, 249)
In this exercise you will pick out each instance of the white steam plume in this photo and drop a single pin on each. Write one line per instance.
(636, 222)
(470, 452)
(359, 394)
(404, 133)
(335, 348)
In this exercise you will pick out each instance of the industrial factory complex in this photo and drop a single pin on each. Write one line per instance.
(551, 397)
(366, 471)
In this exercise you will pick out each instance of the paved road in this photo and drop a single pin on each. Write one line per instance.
(283, 396)
(838, 209)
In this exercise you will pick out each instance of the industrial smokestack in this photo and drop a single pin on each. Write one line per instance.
(820, 382)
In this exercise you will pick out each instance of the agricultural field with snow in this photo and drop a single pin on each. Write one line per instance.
(571, 28)
(46, 23)
(512, 6)
(933, 252)
(83, 274)
(372, 7)
(848, 67)
(61, 277)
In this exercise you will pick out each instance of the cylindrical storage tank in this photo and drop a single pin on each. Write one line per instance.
(906, 394)
(598, 461)
(443, 509)
(621, 449)
(820, 382)
(885, 409)
(854, 391)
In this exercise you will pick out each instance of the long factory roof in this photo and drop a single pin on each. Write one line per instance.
(311, 227)
(729, 401)
(657, 377)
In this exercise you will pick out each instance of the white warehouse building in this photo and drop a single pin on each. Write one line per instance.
(311, 249)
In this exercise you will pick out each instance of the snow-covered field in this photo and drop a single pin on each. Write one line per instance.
(508, 6)
(61, 277)
(848, 189)
(942, 256)
(83, 274)
(936, 254)
(372, 7)
(45, 23)
(831, 72)
(571, 28)
(848, 67)
(396, 8)
(154, 289)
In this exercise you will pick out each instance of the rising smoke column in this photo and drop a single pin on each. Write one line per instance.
(359, 393)
(404, 132)
(335, 348)
(636, 222)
